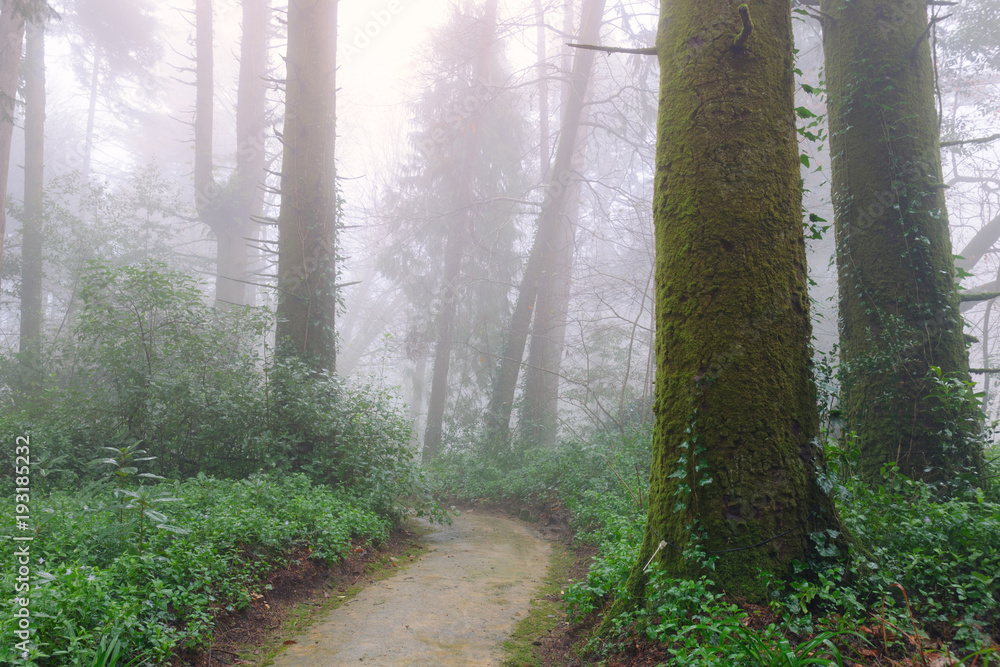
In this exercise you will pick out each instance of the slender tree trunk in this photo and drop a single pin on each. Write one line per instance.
(228, 210)
(501, 403)
(204, 107)
(307, 220)
(454, 250)
(899, 307)
(417, 399)
(95, 86)
(539, 407)
(34, 151)
(543, 96)
(11, 41)
(734, 457)
(236, 228)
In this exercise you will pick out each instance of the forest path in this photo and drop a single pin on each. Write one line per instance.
(452, 607)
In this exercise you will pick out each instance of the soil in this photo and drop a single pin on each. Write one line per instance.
(480, 533)
(241, 638)
(452, 607)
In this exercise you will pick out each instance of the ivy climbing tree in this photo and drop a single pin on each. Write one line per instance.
(903, 350)
(735, 461)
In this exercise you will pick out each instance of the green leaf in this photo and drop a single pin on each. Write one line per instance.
(983, 579)
(804, 159)
(173, 529)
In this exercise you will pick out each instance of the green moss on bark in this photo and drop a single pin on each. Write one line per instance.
(735, 402)
(899, 308)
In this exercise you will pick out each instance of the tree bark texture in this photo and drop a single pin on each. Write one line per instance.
(734, 459)
(307, 219)
(899, 307)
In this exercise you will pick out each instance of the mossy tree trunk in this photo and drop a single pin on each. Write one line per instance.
(899, 308)
(307, 218)
(735, 460)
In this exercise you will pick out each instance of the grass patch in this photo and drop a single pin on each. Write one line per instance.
(544, 615)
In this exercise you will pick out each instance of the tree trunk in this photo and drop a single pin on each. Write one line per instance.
(307, 274)
(734, 456)
(236, 228)
(417, 399)
(11, 41)
(501, 403)
(543, 95)
(204, 107)
(454, 249)
(228, 209)
(95, 85)
(539, 407)
(33, 224)
(899, 307)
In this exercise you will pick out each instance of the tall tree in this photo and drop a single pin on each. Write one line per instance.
(469, 145)
(11, 43)
(33, 223)
(460, 183)
(550, 230)
(899, 308)
(307, 300)
(539, 405)
(734, 468)
(229, 208)
(117, 40)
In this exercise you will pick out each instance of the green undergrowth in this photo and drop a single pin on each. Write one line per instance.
(922, 581)
(150, 383)
(153, 565)
(543, 616)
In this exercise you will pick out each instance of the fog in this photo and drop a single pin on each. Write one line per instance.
(126, 192)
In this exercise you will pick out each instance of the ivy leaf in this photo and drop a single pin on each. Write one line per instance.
(804, 159)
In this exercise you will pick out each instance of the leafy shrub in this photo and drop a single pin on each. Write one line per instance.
(941, 543)
(101, 572)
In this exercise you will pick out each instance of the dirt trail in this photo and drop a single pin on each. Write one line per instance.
(450, 608)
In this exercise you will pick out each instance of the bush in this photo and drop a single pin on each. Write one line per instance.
(104, 566)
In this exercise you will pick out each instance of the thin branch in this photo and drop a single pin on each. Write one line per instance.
(927, 30)
(982, 296)
(647, 51)
(981, 140)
